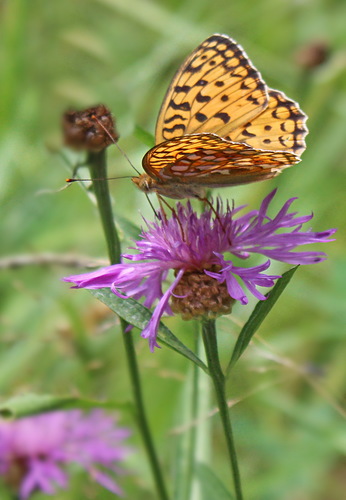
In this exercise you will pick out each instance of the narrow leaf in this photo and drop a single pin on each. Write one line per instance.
(146, 137)
(129, 228)
(136, 314)
(211, 485)
(31, 404)
(258, 315)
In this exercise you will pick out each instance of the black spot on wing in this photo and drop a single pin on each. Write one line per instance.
(202, 98)
(223, 116)
(184, 106)
(182, 88)
(201, 117)
(282, 141)
(253, 99)
(245, 133)
(179, 126)
(175, 117)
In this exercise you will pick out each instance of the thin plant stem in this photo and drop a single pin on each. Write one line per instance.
(184, 483)
(98, 170)
(219, 381)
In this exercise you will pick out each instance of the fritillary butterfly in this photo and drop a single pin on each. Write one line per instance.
(220, 125)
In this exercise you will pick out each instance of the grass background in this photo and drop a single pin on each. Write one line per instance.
(289, 423)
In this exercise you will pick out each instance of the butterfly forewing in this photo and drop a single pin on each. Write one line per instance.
(281, 126)
(209, 160)
(215, 90)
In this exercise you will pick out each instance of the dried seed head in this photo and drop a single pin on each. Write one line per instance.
(91, 129)
(198, 295)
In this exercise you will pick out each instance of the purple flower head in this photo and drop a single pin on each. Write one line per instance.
(34, 451)
(202, 250)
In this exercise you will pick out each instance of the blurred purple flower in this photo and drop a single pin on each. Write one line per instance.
(35, 450)
(204, 244)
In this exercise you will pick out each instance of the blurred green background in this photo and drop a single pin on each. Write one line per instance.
(289, 423)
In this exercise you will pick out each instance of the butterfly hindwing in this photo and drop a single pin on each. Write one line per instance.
(215, 90)
(281, 126)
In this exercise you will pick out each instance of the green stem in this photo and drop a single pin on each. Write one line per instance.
(187, 459)
(219, 381)
(98, 170)
(142, 420)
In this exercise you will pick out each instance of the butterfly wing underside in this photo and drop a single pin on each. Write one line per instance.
(220, 125)
(280, 127)
(209, 160)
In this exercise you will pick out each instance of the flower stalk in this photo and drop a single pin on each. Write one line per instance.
(98, 170)
(219, 382)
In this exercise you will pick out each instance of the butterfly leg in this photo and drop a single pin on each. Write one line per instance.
(162, 202)
(206, 201)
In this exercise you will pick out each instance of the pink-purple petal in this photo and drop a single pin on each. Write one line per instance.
(187, 241)
(45, 444)
(150, 331)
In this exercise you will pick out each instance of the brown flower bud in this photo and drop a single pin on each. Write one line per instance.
(312, 54)
(91, 129)
(198, 295)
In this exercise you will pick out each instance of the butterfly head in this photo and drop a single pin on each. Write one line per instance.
(144, 183)
(176, 191)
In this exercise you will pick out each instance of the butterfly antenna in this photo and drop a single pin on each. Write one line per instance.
(77, 179)
(125, 156)
(115, 143)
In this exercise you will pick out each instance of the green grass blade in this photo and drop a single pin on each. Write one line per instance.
(145, 137)
(32, 404)
(211, 485)
(258, 315)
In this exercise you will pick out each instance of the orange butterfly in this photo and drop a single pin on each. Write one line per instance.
(220, 125)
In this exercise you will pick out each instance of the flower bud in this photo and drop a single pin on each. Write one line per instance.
(312, 54)
(91, 129)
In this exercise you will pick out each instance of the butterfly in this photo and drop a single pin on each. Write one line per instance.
(220, 125)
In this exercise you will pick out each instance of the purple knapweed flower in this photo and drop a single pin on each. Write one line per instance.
(34, 451)
(202, 251)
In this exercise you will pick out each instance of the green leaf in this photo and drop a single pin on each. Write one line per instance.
(144, 136)
(258, 315)
(211, 485)
(31, 404)
(129, 228)
(136, 314)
